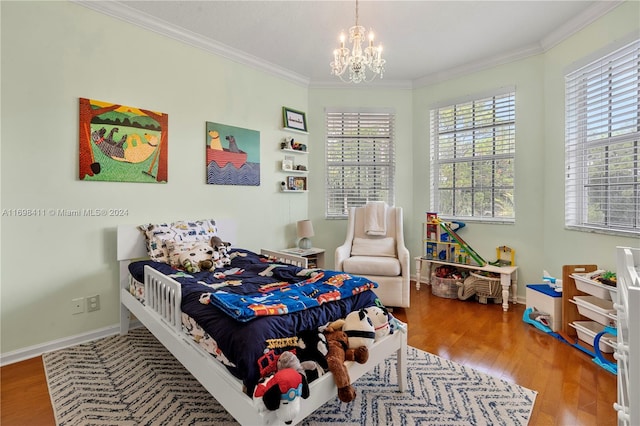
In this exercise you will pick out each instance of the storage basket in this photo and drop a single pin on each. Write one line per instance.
(445, 287)
(486, 287)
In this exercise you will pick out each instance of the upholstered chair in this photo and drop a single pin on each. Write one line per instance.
(374, 248)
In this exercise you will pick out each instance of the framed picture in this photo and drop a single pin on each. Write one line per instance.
(293, 119)
(287, 163)
(291, 185)
(300, 183)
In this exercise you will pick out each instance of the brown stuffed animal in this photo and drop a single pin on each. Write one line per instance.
(339, 352)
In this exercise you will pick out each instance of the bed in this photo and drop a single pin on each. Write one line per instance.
(160, 310)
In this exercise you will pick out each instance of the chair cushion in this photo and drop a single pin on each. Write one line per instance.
(372, 265)
(374, 247)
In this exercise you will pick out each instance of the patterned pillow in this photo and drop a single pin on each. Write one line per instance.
(176, 248)
(157, 235)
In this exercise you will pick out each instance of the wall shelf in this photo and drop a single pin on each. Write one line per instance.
(292, 130)
(296, 151)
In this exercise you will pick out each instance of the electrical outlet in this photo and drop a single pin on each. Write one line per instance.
(93, 303)
(77, 305)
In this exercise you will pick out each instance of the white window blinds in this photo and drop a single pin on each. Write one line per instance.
(602, 144)
(472, 159)
(360, 159)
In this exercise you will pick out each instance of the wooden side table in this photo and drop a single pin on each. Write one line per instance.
(314, 255)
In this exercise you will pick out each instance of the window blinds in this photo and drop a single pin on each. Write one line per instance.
(602, 144)
(472, 158)
(360, 159)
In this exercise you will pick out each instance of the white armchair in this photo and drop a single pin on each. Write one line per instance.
(382, 258)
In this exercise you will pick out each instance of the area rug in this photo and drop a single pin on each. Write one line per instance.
(134, 380)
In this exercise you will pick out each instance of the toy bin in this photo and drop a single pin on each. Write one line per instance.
(543, 298)
(596, 309)
(587, 331)
(486, 287)
(445, 287)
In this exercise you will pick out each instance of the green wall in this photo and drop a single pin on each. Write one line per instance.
(52, 54)
(55, 52)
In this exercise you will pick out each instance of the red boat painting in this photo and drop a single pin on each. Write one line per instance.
(223, 156)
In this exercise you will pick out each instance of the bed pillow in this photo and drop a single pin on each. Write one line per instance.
(374, 247)
(176, 248)
(157, 235)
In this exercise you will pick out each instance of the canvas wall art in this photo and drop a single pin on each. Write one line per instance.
(233, 155)
(120, 143)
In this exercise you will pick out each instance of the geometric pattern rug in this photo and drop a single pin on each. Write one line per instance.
(134, 380)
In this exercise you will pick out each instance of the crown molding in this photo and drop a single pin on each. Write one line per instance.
(501, 59)
(120, 10)
(579, 22)
(571, 27)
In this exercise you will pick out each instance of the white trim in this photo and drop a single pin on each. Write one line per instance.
(121, 11)
(55, 345)
(128, 14)
(598, 10)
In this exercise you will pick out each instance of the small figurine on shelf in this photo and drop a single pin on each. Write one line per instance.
(298, 146)
(287, 143)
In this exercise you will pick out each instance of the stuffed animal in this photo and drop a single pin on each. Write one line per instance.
(359, 329)
(310, 369)
(222, 247)
(198, 258)
(312, 346)
(380, 318)
(338, 353)
(281, 393)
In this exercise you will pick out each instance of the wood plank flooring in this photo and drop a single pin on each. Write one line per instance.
(572, 389)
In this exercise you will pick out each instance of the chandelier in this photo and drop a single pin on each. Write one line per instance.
(358, 60)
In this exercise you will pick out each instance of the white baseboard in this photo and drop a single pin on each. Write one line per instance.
(54, 345)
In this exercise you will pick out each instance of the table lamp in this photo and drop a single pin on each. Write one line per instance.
(304, 230)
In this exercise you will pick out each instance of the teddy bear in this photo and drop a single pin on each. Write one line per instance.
(338, 353)
(198, 258)
(359, 329)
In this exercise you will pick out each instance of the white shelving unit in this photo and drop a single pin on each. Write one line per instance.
(627, 352)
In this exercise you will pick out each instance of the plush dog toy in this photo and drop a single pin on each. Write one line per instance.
(199, 258)
(359, 329)
(380, 318)
(312, 346)
(310, 369)
(222, 247)
(338, 353)
(281, 393)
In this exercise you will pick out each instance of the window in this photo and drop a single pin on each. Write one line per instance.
(360, 159)
(602, 184)
(472, 159)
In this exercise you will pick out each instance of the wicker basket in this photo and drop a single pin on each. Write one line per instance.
(445, 287)
(486, 287)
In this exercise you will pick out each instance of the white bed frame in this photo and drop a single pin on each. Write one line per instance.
(161, 315)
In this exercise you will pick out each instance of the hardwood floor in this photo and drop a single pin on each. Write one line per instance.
(572, 389)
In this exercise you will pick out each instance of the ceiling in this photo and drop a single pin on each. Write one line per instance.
(423, 41)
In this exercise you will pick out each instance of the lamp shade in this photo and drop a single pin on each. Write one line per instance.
(304, 228)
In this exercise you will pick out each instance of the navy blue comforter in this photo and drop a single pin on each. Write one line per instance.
(246, 333)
